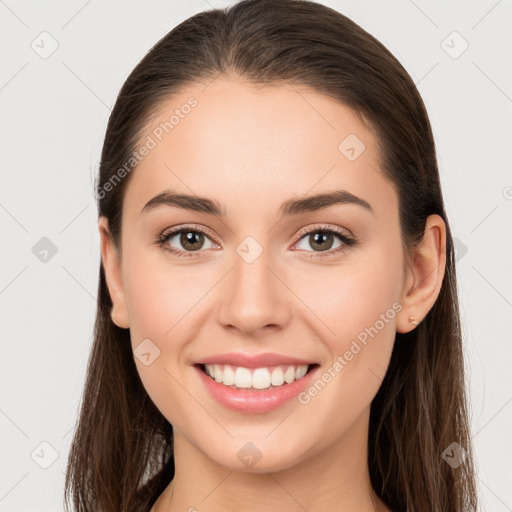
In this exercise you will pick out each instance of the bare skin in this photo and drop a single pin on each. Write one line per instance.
(251, 150)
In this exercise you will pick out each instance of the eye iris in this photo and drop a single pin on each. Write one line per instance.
(319, 238)
(188, 238)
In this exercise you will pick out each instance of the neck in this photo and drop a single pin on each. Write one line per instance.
(334, 479)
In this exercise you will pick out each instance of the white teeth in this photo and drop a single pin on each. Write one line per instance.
(289, 375)
(277, 376)
(300, 372)
(259, 378)
(243, 378)
(228, 377)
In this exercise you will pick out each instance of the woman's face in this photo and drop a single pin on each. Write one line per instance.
(266, 277)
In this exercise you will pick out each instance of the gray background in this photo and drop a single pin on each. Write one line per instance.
(54, 113)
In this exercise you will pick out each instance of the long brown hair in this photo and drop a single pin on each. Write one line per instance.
(121, 455)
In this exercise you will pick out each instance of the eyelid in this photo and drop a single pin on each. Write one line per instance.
(192, 227)
(345, 235)
(302, 232)
(324, 227)
(347, 239)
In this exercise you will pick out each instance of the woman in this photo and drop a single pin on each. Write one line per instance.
(277, 324)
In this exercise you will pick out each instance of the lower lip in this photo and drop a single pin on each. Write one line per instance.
(243, 400)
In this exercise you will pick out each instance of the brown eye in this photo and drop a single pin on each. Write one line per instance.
(191, 240)
(321, 240)
(184, 241)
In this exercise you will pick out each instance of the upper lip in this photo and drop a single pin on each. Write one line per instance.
(253, 361)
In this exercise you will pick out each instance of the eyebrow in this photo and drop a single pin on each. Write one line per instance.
(290, 207)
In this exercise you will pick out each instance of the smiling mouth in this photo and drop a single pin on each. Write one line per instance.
(256, 379)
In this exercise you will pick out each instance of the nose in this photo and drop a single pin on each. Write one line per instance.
(255, 297)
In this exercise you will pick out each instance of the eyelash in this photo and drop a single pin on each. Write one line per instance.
(345, 239)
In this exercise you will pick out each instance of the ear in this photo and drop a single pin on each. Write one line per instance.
(112, 267)
(425, 269)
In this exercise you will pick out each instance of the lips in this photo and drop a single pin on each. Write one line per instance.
(258, 397)
(254, 360)
(255, 401)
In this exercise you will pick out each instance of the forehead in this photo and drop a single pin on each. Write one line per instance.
(256, 146)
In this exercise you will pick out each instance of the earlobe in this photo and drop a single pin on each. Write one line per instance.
(112, 268)
(425, 274)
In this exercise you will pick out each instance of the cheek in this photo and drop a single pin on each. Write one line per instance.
(357, 306)
(160, 296)
(161, 302)
(354, 305)
(354, 294)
